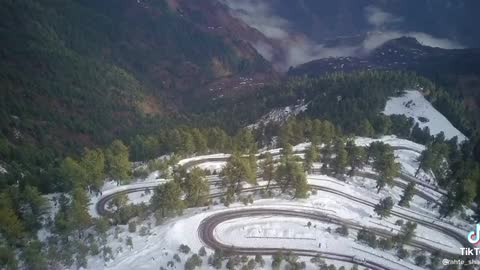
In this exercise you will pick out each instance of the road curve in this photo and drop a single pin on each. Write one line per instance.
(205, 230)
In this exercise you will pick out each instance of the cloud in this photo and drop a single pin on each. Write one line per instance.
(258, 15)
(378, 18)
(298, 49)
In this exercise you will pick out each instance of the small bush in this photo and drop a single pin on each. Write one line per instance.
(421, 260)
(143, 231)
(402, 253)
(132, 226)
(343, 230)
(193, 262)
(184, 249)
(386, 243)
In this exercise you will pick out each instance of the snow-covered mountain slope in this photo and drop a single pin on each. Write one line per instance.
(413, 104)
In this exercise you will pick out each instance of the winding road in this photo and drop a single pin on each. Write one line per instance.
(208, 225)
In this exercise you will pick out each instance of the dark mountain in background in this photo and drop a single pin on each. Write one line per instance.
(309, 29)
(458, 70)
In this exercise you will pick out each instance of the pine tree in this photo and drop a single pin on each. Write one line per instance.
(167, 199)
(79, 217)
(118, 164)
(268, 169)
(196, 188)
(11, 226)
(328, 132)
(290, 176)
(245, 142)
(385, 164)
(356, 156)
(407, 233)
(72, 173)
(407, 195)
(384, 207)
(236, 171)
(93, 162)
(366, 129)
(341, 158)
(34, 206)
(311, 156)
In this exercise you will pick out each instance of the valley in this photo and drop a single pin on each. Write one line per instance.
(239, 135)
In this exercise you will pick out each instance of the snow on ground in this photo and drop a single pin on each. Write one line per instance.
(186, 160)
(280, 115)
(139, 197)
(112, 187)
(409, 162)
(413, 104)
(157, 247)
(390, 140)
(278, 232)
(212, 166)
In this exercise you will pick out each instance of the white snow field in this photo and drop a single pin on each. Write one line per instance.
(413, 104)
(157, 247)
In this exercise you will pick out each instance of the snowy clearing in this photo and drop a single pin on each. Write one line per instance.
(413, 104)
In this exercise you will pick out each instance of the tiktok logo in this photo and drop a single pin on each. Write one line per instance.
(474, 236)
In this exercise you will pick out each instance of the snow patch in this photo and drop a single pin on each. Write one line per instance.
(2, 169)
(413, 104)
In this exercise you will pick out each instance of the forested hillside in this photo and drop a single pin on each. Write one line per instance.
(79, 73)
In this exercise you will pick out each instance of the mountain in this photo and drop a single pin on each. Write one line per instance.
(457, 70)
(82, 72)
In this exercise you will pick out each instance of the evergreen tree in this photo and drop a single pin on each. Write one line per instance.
(118, 164)
(366, 129)
(407, 195)
(200, 141)
(72, 173)
(33, 256)
(384, 207)
(167, 199)
(79, 217)
(245, 142)
(290, 175)
(407, 233)
(11, 226)
(356, 156)
(34, 206)
(341, 158)
(311, 156)
(386, 166)
(93, 162)
(196, 188)
(268, 169)
(236, 171)
(327, 132)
